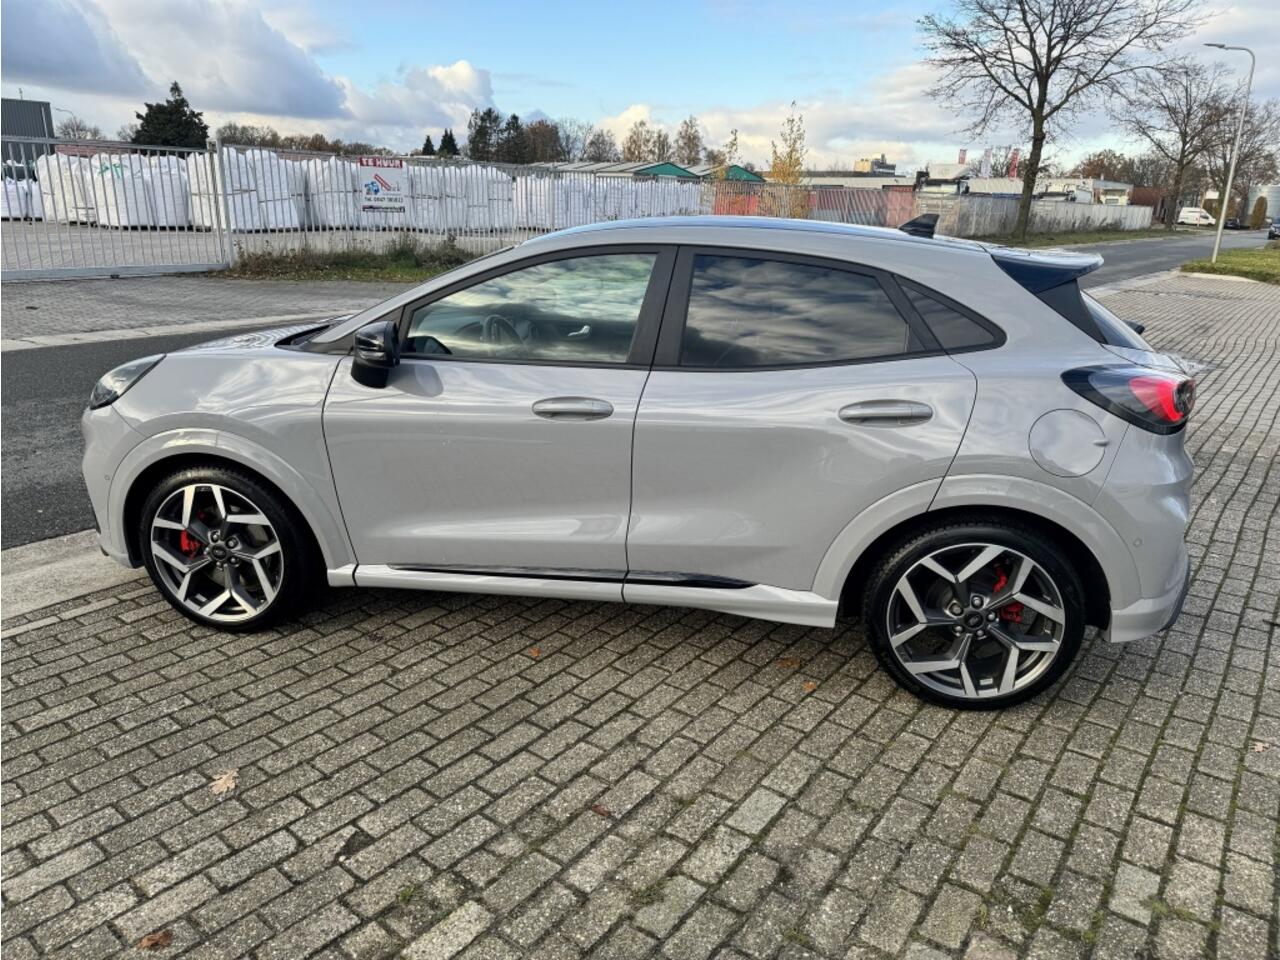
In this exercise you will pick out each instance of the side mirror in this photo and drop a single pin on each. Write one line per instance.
(377, 350)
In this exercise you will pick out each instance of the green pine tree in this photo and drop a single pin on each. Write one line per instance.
(448, 145)
(428, 148)
(172, 123)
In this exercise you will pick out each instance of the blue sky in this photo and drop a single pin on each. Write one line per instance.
(390, 70)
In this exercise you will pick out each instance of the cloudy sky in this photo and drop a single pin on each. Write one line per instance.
(388, 71)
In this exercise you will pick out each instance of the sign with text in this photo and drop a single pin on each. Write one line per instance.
(383, 185)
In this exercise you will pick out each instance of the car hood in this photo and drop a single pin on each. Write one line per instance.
(263, 339)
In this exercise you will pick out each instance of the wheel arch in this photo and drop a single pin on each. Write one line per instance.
(148, 462)
(1092, 576)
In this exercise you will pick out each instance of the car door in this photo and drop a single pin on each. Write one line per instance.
(502, 440)
(788, 394)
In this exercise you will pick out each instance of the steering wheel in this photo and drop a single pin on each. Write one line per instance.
(498, 331)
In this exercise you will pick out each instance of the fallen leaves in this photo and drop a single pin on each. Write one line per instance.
(156, 940)
(809, 686)
(788, 663)
(535, 652)
(600, 810)
(224, 782)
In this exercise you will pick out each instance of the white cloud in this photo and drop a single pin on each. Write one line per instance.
(67, 45)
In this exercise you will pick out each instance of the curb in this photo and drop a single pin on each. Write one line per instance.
(46, 572)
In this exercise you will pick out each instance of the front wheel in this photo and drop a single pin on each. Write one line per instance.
(975, 614)
(225, 550)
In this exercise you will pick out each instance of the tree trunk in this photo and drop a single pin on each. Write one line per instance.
(1029, 177)
(1179, 175)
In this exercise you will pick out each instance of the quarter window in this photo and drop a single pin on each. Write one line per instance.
(749, 312)
(952, 328)
(582, 310)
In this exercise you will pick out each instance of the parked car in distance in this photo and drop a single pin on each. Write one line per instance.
(1273, 231)
(1196, 217)
(773, 418)
(1234, 223)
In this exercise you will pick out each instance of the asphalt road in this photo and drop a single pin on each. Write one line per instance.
(1133, 258)
(44, 391)
(42, 395)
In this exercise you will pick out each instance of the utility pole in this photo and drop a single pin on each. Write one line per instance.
(1235, 148)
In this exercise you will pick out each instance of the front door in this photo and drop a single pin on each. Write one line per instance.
(788, 394)
(502, 441)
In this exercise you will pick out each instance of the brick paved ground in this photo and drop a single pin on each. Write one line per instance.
(81, 306)
(423, 775)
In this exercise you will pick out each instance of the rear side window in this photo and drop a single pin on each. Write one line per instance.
(755, 312)
(950, 327)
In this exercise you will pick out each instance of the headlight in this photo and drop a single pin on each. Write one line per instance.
(113, 385)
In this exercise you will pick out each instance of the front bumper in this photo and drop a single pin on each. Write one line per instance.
(1150, 615)
(107, 439)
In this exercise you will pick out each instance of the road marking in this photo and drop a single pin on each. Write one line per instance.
(163, 330)
(50, 571)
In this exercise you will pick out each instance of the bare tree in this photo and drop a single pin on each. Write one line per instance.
(660, 150)
(127, 132)
(689, 144)
(1257, 161)
(574, 136)
(73, 128)
(1179, 113)
(1037, 61)
(602, 148)
(637, 145)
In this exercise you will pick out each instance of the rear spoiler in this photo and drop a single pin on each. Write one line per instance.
(921, 226)
(1042, 270)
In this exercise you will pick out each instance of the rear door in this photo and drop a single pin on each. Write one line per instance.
(502, 441)
(788, 394)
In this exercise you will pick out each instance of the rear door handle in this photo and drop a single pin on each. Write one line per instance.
(886, 413)
(573, 408)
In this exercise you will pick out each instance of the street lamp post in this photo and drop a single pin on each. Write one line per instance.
(1235, 147)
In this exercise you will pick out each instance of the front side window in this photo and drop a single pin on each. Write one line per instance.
(580, 310)
(750, 312)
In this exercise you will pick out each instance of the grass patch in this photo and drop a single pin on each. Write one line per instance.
(408, 260)
(1262, 263)
(1080, 237)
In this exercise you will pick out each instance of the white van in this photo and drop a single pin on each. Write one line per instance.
(1196, 217)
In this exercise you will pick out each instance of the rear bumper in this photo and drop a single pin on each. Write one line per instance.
(1150, 615)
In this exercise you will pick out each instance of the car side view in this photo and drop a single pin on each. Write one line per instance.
(781, 419)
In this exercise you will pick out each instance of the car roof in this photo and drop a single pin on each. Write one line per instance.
(685, 225)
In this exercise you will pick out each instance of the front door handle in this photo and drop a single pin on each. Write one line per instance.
(886, 413)
(573, 408)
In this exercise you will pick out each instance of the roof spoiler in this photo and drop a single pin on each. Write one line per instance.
(1039, 271)
(921, 226)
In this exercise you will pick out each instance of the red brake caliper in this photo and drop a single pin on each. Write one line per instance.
(1010, 611)
(188, 544)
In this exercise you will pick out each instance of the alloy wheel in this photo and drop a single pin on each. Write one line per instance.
(976, 620)
(217, 552)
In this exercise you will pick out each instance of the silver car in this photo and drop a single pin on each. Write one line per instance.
(788, 420)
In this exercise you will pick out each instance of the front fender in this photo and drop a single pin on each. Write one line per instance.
(319, 507)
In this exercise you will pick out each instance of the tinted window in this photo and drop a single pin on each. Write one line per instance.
(1114, 331)
(582, 309)
(949, 326)
(747, 312)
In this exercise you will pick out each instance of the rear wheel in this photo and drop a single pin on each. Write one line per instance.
(975, 614)
(225, 550)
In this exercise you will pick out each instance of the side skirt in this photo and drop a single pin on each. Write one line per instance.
(753, 600)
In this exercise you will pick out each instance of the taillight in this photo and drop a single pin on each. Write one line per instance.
(1156, 401)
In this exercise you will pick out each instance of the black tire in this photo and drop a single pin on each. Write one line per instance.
(906, 553)
(301, 567)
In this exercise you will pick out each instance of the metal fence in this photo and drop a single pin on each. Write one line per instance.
(99, 208)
